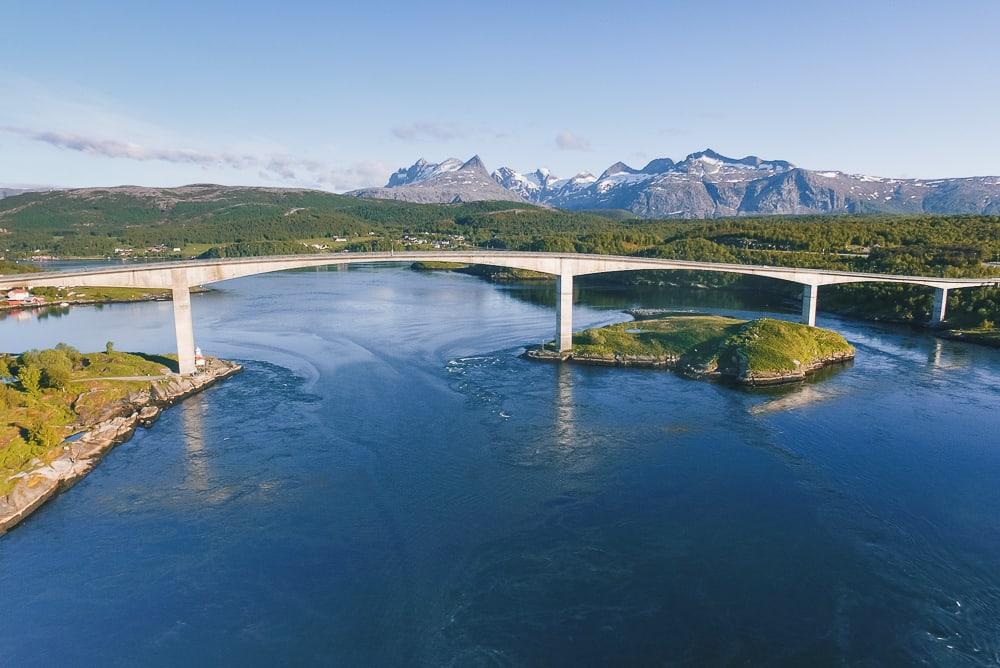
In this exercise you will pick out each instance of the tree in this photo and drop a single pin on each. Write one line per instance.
(30, 378)
(109, 347)
(71, 353)
(43, 435)
(56, 377)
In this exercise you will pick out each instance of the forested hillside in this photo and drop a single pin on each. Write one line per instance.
(225, 221)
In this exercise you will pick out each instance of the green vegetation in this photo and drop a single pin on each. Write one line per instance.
(987, 335)
(755, 352)
(233, 222)
(8, 267)
(437, 266)
(662, 339)
(484, 271)
(46, 395)
(768, 347)
(87, 294)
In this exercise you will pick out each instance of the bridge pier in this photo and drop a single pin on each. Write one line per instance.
(564, 312)
(810, 295)
(940, 305)
(183, 325)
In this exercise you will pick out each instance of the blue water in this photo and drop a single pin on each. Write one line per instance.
(388, 483)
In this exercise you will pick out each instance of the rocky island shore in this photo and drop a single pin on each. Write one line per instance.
(756, 353)
(97, 432)
(981, 336)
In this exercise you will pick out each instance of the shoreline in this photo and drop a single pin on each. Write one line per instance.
(988, 338)
(6, 308)
(688, 371)
(79, 457)
(81, 302)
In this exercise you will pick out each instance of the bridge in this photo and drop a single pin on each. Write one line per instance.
(180, 277)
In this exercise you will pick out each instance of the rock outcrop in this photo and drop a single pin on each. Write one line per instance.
(37, 485)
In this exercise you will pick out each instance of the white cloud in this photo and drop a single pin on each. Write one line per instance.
(359, 175)
(567, 141)
(275, 167)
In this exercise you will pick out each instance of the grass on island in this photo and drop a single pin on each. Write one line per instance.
(482, 270)
(987, 335)
(767, 346)
(672, 336)
(100, 294)
(47, 395)
(710, 343)
(431, 265)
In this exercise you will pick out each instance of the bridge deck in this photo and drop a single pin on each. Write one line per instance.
(163, 274)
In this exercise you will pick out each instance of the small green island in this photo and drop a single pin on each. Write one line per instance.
(61, 410)
(755, 352)
(499, 274)
(985, 335)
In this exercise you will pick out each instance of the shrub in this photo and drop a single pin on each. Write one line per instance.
(30, 377)
(72, 354)
(43, 435)
(56, 377)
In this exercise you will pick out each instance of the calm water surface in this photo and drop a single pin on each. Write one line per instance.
(389, 484)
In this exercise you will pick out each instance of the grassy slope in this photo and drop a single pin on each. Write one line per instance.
(661, 338)
(63, 411)
(706, 342)
(767, 346)
(259, 221)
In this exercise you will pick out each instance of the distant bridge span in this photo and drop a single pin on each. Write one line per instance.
(181, 276)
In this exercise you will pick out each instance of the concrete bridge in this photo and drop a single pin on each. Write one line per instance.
(181, 276)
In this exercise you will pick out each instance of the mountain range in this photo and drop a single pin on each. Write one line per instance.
(705, 184)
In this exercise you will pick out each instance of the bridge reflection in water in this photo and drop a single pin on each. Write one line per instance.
(195, 462)
(565, 410)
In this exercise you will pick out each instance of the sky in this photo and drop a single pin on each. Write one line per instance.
(338, 95)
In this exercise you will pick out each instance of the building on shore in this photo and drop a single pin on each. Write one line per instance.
(23, 297)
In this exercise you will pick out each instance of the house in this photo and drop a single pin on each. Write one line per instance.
(23, 297)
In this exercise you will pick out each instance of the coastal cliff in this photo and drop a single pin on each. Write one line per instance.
(117, 422)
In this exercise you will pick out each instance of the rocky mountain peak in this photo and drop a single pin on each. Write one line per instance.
(658, 166)
(474, 163)
(618, 168)
(705, 184)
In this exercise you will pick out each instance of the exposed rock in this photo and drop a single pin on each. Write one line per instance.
(705, 184)
(447, 182)
(114, 426)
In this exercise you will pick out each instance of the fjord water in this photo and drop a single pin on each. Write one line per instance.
(388, 483)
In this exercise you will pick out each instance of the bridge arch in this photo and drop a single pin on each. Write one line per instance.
(179, 277)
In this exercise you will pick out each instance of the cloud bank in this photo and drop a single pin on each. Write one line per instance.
(283, 168)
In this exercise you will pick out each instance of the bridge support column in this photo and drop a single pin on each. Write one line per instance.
(564, 312)
(810, 295)
(183, 326)
(940, 305)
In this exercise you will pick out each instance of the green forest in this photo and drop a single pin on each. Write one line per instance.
(216, 221)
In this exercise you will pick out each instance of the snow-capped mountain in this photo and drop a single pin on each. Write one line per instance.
(448, 181)
(702, 185)
(422, 170)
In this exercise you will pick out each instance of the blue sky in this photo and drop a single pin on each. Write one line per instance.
(334, 96)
